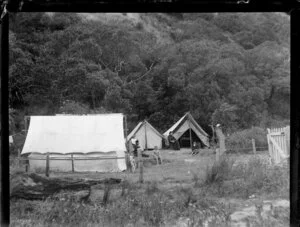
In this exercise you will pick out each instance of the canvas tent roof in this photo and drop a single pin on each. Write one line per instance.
(187, 121)
(138, 127)
(154, 138)
(65, 134)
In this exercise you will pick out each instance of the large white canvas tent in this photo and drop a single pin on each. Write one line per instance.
(182, 127)
(147, 135)
(96, 142)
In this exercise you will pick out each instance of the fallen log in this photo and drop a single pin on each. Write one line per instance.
(34, 187)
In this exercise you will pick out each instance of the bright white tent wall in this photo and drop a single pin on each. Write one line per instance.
(184, 124)
(147, 135)
(85, 136)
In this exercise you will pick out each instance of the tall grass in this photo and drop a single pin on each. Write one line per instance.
(147, 206)
(219, 171)
(253, 177)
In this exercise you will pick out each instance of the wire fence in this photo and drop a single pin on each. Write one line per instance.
(132, 163)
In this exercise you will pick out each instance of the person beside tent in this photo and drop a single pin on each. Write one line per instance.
(133, 143)
(147, 135)
(174, 144)
(139, 149)
(195, 148)
(157, 155)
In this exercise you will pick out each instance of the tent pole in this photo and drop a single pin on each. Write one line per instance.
(125, 123)
(47, 165)
(191, 142)
(26, 122)
(127, 156)
(146, 145)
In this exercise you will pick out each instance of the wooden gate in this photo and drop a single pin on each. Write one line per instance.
(279, 144)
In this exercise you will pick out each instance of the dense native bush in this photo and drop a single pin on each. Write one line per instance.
(155, 66)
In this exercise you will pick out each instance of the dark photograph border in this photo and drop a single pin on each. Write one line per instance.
(289, 7)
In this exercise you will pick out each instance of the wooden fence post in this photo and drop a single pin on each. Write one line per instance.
(141, 179)
(221, 140)
(19, 157)
(287, 138)
(253, 146)
(26, 167)
(72, 157)
(25, 123)
(47, 165)
(218, 154)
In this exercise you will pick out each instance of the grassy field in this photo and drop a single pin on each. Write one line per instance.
(185, 190)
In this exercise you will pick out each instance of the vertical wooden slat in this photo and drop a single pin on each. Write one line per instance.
(288, 138)
(283, 142)
(278, 140)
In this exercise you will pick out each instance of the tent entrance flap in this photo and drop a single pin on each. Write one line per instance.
(185, 142)
(187, 122)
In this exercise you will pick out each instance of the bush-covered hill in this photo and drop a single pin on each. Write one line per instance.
(232, 68)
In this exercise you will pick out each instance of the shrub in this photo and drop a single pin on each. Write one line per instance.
(152, 188)
(243, 139)
(219, 171)
(256, 177)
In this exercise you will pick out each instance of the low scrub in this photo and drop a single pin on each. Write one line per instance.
(219, 171)
(243, 180)
(147, 206)
(243, 139)
(261, 177)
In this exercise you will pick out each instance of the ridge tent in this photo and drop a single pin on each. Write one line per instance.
(96, 142)
(147, 136)
(182, 133)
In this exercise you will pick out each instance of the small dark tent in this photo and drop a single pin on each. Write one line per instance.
(187, 128)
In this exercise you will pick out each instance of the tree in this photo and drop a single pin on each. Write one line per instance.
(72, 107)
(226, 115)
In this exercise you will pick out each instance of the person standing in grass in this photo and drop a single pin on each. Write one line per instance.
(157, 155)
(195, 148)
(139, 149)
(173, 142)
(221, 140)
